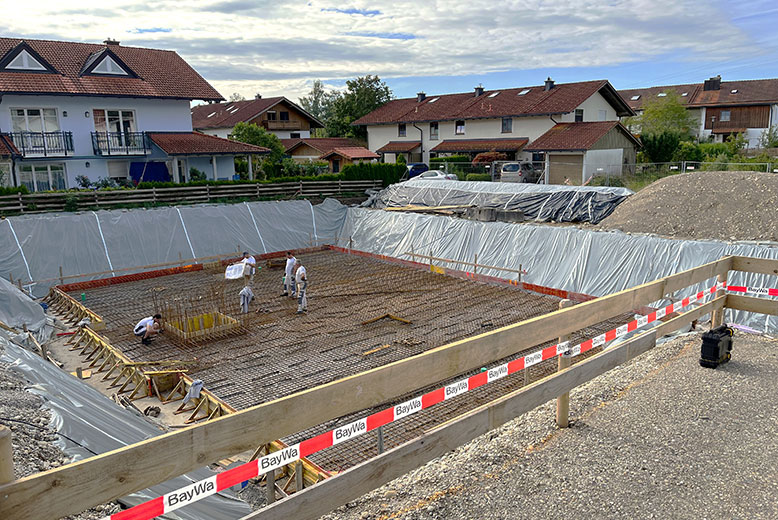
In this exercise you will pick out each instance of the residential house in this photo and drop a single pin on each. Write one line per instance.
(721, 108)
(104, 111)
(575, 152)
(343, 156)
(277, 115)
(304, 150)
(505, 120)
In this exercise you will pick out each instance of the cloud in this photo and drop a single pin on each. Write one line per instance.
(279, 48)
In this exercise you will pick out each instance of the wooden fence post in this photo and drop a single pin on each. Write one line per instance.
(717, 316)
(21, 202)
(563, 362)
(6, 456)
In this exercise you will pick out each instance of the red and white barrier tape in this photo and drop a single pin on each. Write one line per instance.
(221, 481)
(760, 291)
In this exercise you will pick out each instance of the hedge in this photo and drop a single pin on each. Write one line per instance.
(325, 177)
(12, 190)
(478, 177)
(450, 158)
(389, 173)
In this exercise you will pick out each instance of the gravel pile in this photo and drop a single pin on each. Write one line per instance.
(658, 438)
(33, 445)
(703, 205)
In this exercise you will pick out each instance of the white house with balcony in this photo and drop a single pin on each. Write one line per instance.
(103, 111)
(504, 120)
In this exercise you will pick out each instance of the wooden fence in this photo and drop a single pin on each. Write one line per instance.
(36, 202)
(76, 487)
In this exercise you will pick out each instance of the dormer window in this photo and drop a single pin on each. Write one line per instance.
(23, 58)
(106, 63)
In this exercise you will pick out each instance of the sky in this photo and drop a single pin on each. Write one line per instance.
(280, 47)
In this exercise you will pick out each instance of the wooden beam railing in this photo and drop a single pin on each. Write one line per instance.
(72, 488)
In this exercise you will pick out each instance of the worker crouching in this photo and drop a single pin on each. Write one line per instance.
(148, 328)
(301, 281)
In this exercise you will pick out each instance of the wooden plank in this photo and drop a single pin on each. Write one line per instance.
(317, 500)
(135, 467)
(752, 304)
(755, 265)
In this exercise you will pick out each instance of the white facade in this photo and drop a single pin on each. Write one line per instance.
(281, 134)
(595, 108)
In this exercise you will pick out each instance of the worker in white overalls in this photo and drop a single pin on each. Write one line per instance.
(248, 273)
(301, 280)
(289, 282)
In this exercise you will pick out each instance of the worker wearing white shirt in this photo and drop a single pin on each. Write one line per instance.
(248, 274)
(301, 280)
(147, 328)
(289, 281)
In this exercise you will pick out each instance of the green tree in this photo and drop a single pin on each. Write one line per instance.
(660, 147)
(769, 138)
(269, 165)
(362, 96)
(688, 151)
(664, 114)
(319, 102)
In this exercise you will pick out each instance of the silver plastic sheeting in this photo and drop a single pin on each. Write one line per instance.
(577, 260)
(36, 246)
(537, 201)
(17, 309)
(84, 414)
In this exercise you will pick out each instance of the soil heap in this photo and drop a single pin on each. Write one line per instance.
(703, 205)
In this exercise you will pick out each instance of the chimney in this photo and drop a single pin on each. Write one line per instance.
(421, 96)
(479, 90)
(713, 83)
(111, 41)
(549, 84)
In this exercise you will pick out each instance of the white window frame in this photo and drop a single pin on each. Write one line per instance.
(508, 120)
(48, 171)
(121, 120)
(119, 71)
(43, 120)
(456, 127)
(26, 57)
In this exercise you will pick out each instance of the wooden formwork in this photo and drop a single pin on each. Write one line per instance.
(72, 310)
(201, 326)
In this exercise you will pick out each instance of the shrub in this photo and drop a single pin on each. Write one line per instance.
(489, 157)
(478, 177)
(401, 159)
(603, 180)
(389, 173)
(450, 159)
(196, 175)
(714, 150)
(71, 202)
(105, 183)
(660, 147)
(12, 190)
(687, 151)
(83, 182)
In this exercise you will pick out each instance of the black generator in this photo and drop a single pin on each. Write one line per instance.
(716, 347)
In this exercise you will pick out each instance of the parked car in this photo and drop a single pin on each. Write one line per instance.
(520, 172)
(438, 176)
(416, 169)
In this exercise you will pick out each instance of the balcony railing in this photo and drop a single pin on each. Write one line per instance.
(121, 143)
(283, 125)
(43, 144)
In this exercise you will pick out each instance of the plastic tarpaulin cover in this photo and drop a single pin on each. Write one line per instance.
(590, 262)
(17, 309)
(537, 201)
(84, 414)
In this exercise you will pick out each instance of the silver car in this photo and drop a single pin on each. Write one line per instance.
(437, 175)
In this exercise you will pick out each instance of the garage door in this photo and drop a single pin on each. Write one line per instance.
(565, 167)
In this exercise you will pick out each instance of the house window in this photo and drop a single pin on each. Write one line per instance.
(459, 128)
(336, 166)
(294, 135)
(284, 116)
(271, 116)
(114, 120)
(109, 66)
(43, 177)
(401, 132)
(507, 125)
(725, 114)
(579, 115)
(603, 115)
(34, 120)
(25, 61)
(433, 131)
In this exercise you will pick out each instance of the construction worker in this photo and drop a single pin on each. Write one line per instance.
(148, 328)
(246, 295)
(301, 280)
(289, 282)
(249, 260)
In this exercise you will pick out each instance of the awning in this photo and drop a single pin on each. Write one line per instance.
(399, 147)
(195, 143)
(481, 145)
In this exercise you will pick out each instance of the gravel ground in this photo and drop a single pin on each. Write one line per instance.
(33, 446)
(660, 437)
(712, 205)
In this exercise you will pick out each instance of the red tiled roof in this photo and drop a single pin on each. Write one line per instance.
(575, 137)
(228, 114)
(645, 94)
(194, 143)
(480, 145)
(749, 92)
(399, 146)
(7, 147)
(561, 99)
(352, 152)
(322, 144)
(161, 74)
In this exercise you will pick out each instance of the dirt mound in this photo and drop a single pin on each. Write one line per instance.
(712, 205)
